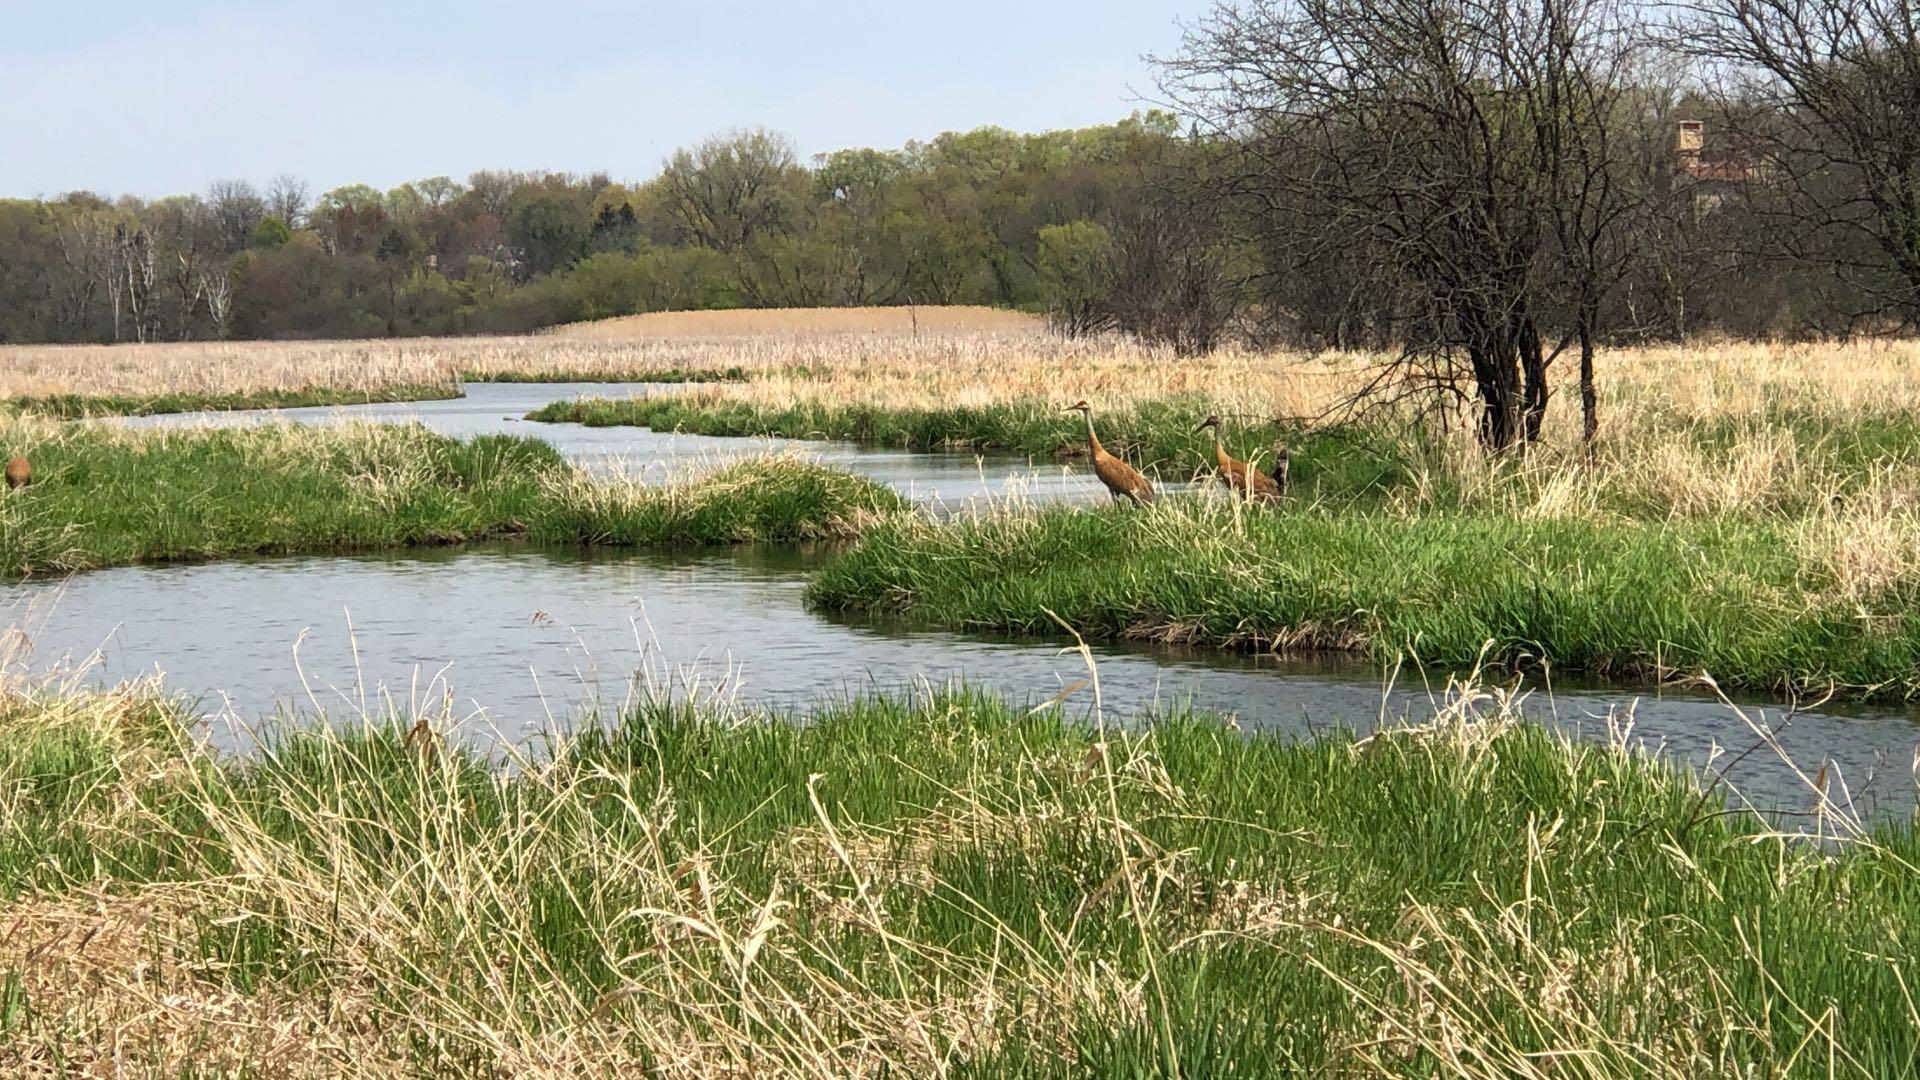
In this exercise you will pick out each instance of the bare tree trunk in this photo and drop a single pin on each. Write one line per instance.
(1533, 369)
(82, 247)
(1589, 395)
(218, 289)
(189, 281)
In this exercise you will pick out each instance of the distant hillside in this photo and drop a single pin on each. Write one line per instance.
(848, 320)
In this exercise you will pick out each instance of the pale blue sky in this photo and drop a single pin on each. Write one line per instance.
(146, 98)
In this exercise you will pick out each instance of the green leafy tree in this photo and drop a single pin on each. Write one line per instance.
(732, 190)
(395, 255)
(271, 233)
(1076, 271)
(548, 229)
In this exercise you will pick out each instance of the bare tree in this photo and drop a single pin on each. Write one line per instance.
(237, 210)
(1589, 79)
(287, 199)
(1825, 95)
(138, 266)
(1456, 144)
(87, 248)
(1170, 280)
(493, 189)
(190, 236)
(217, 286)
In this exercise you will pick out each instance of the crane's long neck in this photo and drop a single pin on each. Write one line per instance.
(1219, 451)
(1093, 441)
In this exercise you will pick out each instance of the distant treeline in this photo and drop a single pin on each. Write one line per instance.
(1072, 223)
(738, 221)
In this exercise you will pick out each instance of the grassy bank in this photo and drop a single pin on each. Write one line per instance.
(1762, 606)
(602, 375)
(1156, 434)
(106, 496)
(939, 887)
(80, 406)
(1029, 425)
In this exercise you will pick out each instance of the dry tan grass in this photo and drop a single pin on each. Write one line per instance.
(802, 322)
(1640, 386)
(367, 366)
(946, 371)
(219, 367)
(1741, 378)
(112, 997)
(755, 342)
(961, 356)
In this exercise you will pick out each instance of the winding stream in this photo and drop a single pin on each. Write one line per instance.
(953, 479)
(501, 639)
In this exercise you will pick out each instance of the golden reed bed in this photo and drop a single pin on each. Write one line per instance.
(958, 356)
(956, 319)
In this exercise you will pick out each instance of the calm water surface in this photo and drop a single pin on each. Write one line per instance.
(506, 642)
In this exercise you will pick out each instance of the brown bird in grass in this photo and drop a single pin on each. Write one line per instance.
(1242, 477)
(1122, 479)
(19, 473)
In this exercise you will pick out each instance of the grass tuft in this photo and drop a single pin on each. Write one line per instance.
(943, 885)
(80, 406)
(107, 496)
(1663, 600)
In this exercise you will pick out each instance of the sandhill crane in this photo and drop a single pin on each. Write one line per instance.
(19, 473)
(1242, 477)
(1122, 479)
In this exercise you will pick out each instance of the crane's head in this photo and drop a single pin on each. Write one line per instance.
(1210, 422)
(1079, 407)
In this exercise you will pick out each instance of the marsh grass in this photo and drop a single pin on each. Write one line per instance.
(1661, 600)
(1693, 429)
(1034, 426)
(736, 373)
(104, 495)
(1157, 434)
(939, 886)
(1784, 464)
(718, 347)
(78, 406)
(809, 322)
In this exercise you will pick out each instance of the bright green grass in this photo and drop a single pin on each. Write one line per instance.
(1157, 435)
(953, 879)
(1031, 425)
(1677, 598)
(77, 406)
(104, 497)
(81, 406)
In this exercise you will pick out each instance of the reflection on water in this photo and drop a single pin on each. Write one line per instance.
(508, 640)
(490, 408)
